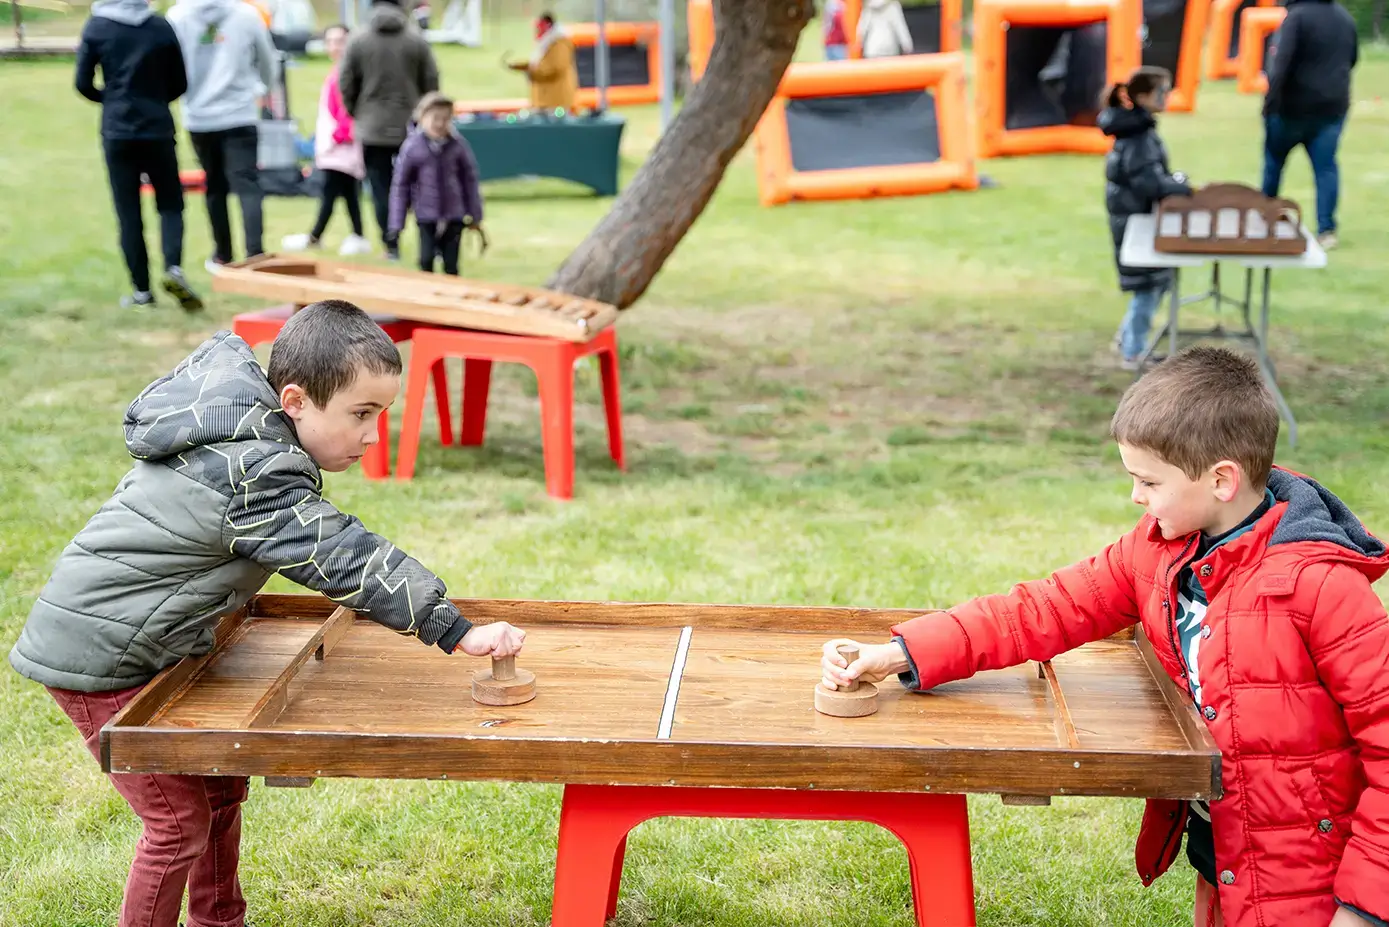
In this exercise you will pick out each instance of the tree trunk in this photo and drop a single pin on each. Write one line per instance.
(754, 42)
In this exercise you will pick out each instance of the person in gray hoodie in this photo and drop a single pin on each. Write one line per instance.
(230, 61)
(225, 490)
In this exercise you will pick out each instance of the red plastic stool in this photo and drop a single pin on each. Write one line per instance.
(553, 362)
(259, 327)
(595, 819)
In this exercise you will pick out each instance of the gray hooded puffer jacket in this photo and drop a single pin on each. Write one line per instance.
(221, 496)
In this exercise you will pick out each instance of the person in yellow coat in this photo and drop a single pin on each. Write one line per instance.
(553, 75)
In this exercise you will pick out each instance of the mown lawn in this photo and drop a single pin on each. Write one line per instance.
(896, 403)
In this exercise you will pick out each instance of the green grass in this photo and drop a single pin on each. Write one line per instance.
(894, 403)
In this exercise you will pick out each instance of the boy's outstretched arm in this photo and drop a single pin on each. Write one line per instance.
(278, 519)
(1084, 602)
(1348, 637)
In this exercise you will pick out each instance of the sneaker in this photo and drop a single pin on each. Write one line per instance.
(354, 245)
(300, 242)
(212, 265)
(137, 300)
(1130, 363)
(176, 285)
(393, 253)
(1328, 241)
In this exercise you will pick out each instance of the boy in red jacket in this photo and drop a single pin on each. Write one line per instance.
(1253, 584)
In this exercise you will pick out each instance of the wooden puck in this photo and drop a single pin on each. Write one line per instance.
(857, 701)
(503, 684)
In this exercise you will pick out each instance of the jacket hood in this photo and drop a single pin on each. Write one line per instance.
(387, 17)
(1314, 513)
(130, 12)
(1122, 122)
(218, 394)
(209, 12)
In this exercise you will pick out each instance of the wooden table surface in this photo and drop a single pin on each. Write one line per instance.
(654, 695)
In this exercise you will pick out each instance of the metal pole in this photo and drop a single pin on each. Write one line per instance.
(601, 62)
(667, 63)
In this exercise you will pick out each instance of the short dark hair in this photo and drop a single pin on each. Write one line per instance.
(547, 18)
(1200, 407)
(342, 26)
(325, 346)
(1144, 80)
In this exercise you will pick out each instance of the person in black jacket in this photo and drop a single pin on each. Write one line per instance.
(1137, 178)
(142, 73)
(1308, 98)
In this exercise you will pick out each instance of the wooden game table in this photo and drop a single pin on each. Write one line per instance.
(645, 711)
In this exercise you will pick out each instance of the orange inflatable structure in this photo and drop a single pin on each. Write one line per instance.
(1223, 41)
(1041, 67)
(866, 128)
(1256, 34)
(934, 27)
(634, 63)
(699, 17)
(1173, 31)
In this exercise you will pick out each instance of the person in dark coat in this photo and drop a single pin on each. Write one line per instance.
(141, 74)
(386, 69)
(1137, 178)
(436, 176)
(1308, 98)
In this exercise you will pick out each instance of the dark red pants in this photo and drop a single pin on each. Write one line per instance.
(192, 832)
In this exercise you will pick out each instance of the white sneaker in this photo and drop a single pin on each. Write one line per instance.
(353, 245)
(300, 242)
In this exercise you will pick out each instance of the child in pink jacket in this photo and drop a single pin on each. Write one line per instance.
(338, 157)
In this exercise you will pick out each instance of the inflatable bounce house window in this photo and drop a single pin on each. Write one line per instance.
(634, 63)
(1222, 49)
(934, 27)
(1257, 31)
(1041, 66)
(1172, 34)
(866, 128)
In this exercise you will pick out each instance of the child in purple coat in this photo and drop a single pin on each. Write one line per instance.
(436, 175)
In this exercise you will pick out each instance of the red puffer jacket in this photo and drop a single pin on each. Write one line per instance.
(1295, 684)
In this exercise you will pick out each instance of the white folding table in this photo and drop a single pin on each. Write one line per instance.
(1137, 251)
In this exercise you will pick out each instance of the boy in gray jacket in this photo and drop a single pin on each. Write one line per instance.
(226, 490)
(230, 61)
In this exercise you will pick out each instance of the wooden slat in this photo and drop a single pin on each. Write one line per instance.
(1065, 726)
(273, 703)
(523, 612)
(591, 761)
(1182, 707)
(168, 685)
(416, 296)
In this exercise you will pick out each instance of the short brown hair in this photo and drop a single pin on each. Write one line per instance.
(432, 100)
(324, 346)
(1200, 407)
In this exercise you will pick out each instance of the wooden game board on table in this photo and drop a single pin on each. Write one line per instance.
(414, 296)
(640, 709)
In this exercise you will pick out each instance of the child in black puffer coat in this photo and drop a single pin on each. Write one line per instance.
(1138, 177)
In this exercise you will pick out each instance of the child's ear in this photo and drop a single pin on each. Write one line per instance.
(294, 400)
(1227, 477)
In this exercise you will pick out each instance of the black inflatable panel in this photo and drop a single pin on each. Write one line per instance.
(866, 130)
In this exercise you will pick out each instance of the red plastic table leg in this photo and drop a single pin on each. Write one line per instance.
(595, 820)
(556, 378)
(477, 383)
(612, 403)
(441, 401)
